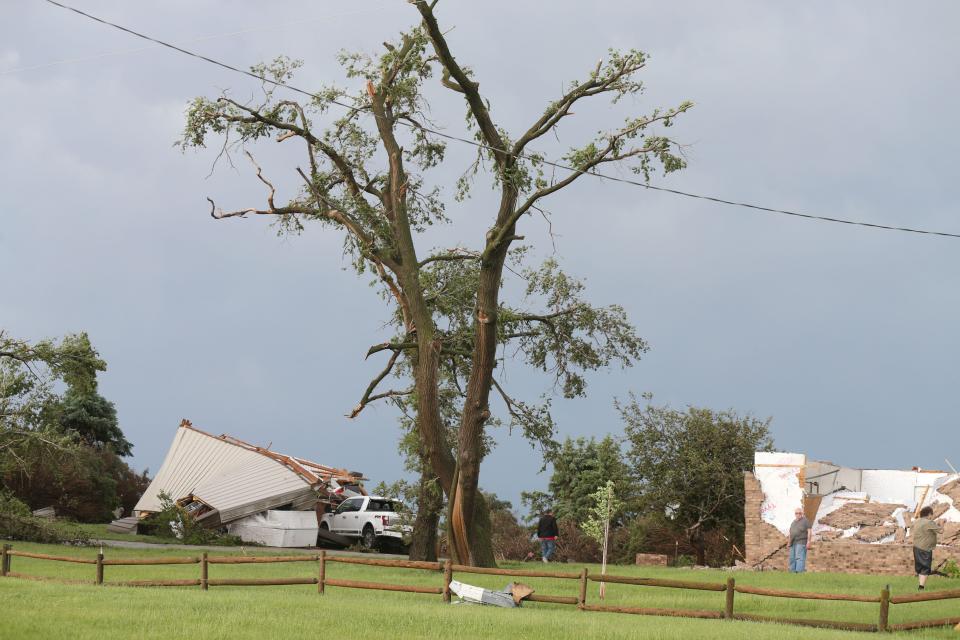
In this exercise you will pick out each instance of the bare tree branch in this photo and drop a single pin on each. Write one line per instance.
(451, 255)
(367, 397)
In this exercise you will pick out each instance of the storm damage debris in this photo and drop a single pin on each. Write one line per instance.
(509, 597)
(951, 490)
(875, 533)
(864, 514)
(867, 506)
(222, 480)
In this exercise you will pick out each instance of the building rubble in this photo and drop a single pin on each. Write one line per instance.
(255, 493)
(872, 506)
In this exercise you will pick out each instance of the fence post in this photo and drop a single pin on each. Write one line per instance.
(582, 596)
(731, 590)
(447, 578)
(100, 568)
(322, 578)
(204, 572)
(5, 562)
(884, 624)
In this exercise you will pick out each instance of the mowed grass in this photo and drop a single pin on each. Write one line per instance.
(99, 532)
(32, 609)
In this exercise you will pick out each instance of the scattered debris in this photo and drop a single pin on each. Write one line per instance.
(509, 597)
(124, 525)
(277, 528)
(852, 514)
(951, 490)
(939, 508)
(875, 533)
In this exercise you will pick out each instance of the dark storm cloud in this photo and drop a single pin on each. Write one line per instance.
(846, 337)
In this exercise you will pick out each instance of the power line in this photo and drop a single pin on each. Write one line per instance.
(216, 36)
(636, 183)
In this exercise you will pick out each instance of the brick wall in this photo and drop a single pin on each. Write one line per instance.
(765, 545)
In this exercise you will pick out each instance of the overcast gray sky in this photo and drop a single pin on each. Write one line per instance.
(847, 337)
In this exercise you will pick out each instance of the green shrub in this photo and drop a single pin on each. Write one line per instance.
(176, 523)
(18, 523)
(950, 569)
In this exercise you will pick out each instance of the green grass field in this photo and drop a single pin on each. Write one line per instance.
(32, 609)
(99, 532)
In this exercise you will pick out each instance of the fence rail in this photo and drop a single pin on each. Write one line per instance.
(730, 588)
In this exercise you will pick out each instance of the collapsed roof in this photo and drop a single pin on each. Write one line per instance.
(227, 478)
(874, 506)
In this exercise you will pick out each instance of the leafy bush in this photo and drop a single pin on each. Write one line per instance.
(11, 505)
(950, 569)
(18, 523)
(176, 523)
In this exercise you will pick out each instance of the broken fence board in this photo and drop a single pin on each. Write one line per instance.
(356, 584)
(646, 611)
(805, 595)
(378, 562)
(515, 572)
(654, 582)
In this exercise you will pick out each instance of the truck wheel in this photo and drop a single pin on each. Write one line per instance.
(324, 526)
(369, 538)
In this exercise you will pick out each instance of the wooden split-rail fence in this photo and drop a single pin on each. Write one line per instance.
(322, 581)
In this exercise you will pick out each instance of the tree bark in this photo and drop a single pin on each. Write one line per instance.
(423, 545)
(472, 509)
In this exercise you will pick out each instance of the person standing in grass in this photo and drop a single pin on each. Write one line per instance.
(547, 532)
(924, 534)
(800, 535)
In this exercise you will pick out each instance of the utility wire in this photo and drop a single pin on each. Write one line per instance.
(636, 183)
(215, 36)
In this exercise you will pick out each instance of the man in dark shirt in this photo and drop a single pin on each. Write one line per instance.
(800, 534)
(547, 532)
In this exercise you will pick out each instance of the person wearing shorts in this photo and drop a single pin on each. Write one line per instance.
(924, 533)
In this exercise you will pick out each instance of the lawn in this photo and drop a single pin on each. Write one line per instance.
(99, 532)
(34, 609)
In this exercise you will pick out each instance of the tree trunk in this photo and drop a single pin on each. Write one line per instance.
(423, 545)
(472, 514)
(699, 546)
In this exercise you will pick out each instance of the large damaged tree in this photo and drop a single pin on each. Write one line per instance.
(364, 173)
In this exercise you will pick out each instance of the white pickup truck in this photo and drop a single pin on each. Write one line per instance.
(371, 519)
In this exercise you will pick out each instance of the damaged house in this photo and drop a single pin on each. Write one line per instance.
(861, 517)
(255, 493)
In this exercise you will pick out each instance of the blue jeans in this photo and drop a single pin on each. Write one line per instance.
(798, 557)
(547, 547)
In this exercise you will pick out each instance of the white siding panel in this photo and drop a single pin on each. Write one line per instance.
(223, 475)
